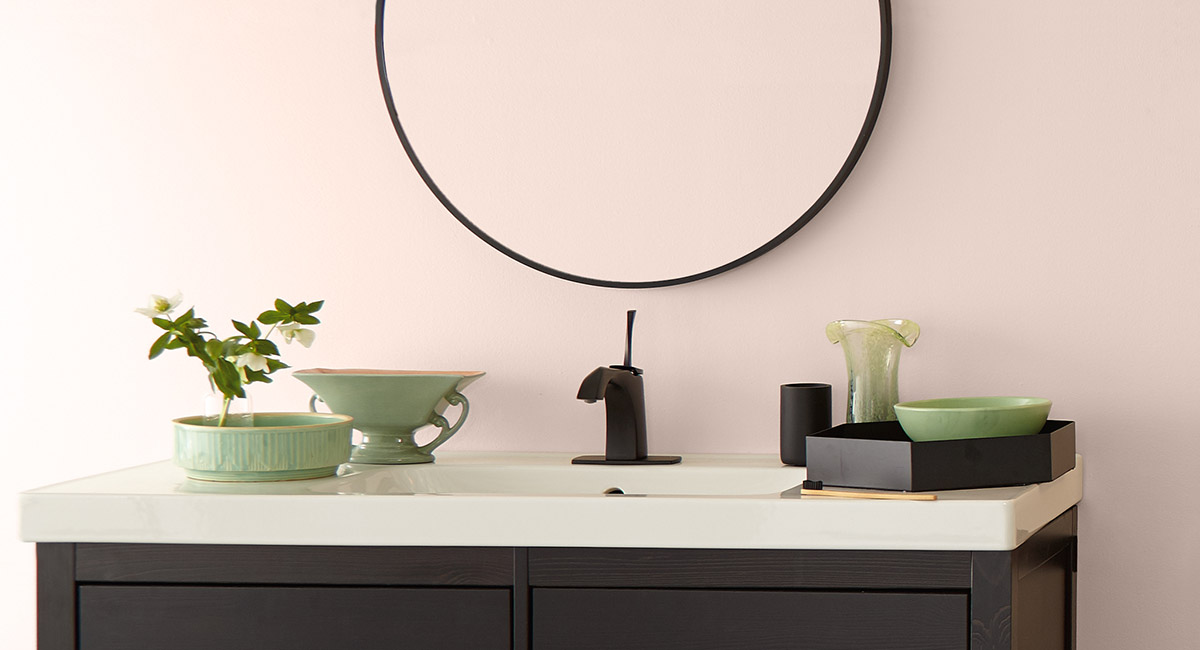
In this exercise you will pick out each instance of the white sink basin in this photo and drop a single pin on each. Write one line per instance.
(551, 476)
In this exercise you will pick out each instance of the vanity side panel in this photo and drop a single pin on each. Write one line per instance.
(1025, 599)
(56, 596)
(743, 568)
(366, 565)
(1044, 593)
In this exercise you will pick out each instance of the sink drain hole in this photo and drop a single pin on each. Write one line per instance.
(614, 490)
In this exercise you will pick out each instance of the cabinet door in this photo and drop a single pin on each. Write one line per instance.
(695, 619)
(291, 618)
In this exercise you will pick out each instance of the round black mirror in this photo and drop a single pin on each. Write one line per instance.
(630, 143)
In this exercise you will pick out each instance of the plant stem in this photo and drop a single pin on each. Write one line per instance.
(224, 411)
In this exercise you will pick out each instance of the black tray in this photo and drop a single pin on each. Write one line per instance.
(879, 455)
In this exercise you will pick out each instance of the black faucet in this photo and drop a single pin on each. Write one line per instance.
(624, 397)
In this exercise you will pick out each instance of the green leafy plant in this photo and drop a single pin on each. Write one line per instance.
(246, 357)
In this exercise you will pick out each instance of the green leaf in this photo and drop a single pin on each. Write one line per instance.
(305, 319)
(214, 348)
(163, 323)
(228, 379)
(227, 389)
(243, 328)
(187, 316)
(275, 364)
(175, 344)
(270, 317)
(159, 345)
(264, 347)
(282, 306)
(315, 306)
(254, 331)
(195, 345)
(257, 376)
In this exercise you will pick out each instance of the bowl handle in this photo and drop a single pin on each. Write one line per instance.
(454, 398)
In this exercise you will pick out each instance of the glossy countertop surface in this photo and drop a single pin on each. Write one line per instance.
(534, 499)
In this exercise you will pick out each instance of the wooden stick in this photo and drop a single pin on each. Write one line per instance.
(845, 494)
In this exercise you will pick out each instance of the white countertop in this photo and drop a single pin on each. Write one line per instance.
(534, 499)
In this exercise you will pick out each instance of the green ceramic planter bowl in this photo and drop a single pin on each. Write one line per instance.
(956, 418)
(279, 447)
(389, 406)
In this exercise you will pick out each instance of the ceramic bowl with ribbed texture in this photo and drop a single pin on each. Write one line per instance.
(278, 447)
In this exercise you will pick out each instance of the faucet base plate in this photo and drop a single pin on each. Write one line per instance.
(599, 459)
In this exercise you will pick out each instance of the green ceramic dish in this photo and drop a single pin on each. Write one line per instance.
(389, 406)
(956, 418)
(279, 447)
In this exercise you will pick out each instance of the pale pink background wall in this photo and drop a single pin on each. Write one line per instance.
(1029, 197)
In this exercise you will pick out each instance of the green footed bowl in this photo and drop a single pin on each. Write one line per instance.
(278, 447)
(956, 418)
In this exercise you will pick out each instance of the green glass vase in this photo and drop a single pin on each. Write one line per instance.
(872, 349)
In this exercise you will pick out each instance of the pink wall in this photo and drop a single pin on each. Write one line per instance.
(1028, 197)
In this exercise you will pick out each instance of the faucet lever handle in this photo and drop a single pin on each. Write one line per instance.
(629, 337)
(628, 365)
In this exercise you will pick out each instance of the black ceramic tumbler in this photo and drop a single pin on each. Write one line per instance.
(803, 409)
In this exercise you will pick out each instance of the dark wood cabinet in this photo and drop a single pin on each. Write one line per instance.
(101, 596)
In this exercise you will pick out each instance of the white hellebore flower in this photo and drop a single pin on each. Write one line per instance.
(160, 306)
(252, 361)
(294, 331)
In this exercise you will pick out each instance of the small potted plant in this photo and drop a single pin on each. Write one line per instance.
(229, 443)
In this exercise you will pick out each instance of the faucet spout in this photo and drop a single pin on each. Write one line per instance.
(596, 384)
(624, 399)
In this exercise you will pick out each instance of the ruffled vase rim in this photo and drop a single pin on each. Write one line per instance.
(905, 330)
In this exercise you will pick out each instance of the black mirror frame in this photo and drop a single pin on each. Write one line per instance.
(881, 77)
